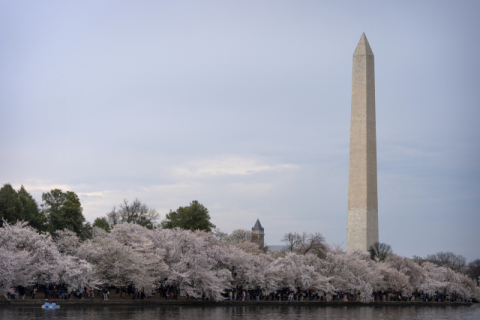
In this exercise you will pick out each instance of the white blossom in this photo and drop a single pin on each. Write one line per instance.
(32, 255)
(203, 264)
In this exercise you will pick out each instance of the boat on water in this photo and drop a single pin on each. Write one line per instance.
(50, 304)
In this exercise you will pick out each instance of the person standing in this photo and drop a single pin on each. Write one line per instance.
(33, 292)
(22, 290)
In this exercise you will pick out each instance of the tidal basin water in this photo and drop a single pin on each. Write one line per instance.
(75, 312)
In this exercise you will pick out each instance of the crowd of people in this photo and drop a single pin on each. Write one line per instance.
(312, 295)
(171, 292)
(55, 292)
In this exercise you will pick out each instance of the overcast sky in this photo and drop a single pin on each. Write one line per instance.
(245, 107)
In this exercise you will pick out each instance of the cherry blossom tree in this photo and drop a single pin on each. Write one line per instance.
(298, 271)
(407, 267)
(445, 280)
(196, 262)
(33, 255)
(352, 272)
(14, 270)
(251, 268)
(67, 241)
(395, 280)
(125, 256)
(203, 264)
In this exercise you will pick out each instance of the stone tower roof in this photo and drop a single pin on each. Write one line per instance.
(257, 226)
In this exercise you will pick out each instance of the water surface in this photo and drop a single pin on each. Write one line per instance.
(76, 312)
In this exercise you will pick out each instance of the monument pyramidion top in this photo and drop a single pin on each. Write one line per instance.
(363, 47)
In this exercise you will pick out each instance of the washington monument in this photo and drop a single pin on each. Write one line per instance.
(362, 225)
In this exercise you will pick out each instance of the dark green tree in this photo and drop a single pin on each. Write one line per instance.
(10, 205)
(193, 217)
(20, 206)
(64, 212)
(31, 212)
(145, 222)
(102, 223)
(87, 231)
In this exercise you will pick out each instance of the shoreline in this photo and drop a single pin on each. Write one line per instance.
(87, 302)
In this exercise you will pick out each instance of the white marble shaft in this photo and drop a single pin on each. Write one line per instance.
(362, 225)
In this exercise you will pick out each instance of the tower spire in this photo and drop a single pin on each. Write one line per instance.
(258, 234)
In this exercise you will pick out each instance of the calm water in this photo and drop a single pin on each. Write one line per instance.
(244, 313)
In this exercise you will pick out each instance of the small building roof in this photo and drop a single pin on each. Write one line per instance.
(257, 226)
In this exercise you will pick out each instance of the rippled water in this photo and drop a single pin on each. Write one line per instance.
(245, 313)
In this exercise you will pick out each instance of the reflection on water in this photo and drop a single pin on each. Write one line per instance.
(75, 312)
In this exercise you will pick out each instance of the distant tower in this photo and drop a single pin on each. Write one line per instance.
(258, 234)
(362, 225)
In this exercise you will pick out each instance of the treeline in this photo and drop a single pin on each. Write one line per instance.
(128, 246)
(455, 262)
(203, 265)
(61, 210)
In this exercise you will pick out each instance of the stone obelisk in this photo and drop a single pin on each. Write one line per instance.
(362, 225)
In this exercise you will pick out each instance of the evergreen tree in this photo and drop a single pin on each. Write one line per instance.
(31, 212)
(193, 217)
(64, 212)
(102, 223)
(20, 206)
(10, 205)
